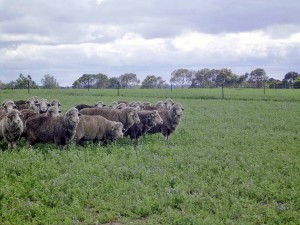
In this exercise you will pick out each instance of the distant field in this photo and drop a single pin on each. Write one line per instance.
(231, 161)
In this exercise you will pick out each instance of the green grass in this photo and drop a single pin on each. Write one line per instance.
(232, 161)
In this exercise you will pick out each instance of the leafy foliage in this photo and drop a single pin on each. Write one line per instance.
(49, 82)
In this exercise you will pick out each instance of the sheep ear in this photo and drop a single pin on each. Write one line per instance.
(37, 103)
(113, 127)
(20, 114)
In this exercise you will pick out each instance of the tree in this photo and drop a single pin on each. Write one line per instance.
(113, 82)
(22, 82)
(204, 78)
(49, 82)
(181, 77)
(128, 80)
(258, 77)
(290, 77)
(84, 81)
(297, 82)
(151, 81)
(226, 77)
(101, 81)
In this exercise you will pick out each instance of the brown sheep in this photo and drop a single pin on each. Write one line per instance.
(97, 128)
(21, 104)
(114, 105)
(8, 105)
(168, 103)
(121, 106)
(42, 105)
(59, 130)
(148, 118)
(136, 104)
(98, 104)
(52, 111)
(56, 103)
(127, 116)
(159, 106)
(171, 119)
(11, 128)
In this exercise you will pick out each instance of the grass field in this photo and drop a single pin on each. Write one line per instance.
(231, 161)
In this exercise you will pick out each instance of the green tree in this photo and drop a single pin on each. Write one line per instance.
(113, 82)
(101, 80)
(181, 77)
(151, 81)
(204, 78)
(22, 82)
(297, 83)
(258, 77)
(128, 80)
(49, 82)
(85, 81)
(290, 77)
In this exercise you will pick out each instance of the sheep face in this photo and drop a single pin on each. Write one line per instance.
(31, 104)
(117, 130)
(53, 111)
(55, 103)
(133, 116)
(168, 104)
(155, 118)
(99, 104)
(9, 105)
(121, 106)
(113, 105)
(43, 105)
(72, 116)
(160, 105)
(177, 110)
(13, 117)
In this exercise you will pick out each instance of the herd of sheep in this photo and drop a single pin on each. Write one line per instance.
(39, 121)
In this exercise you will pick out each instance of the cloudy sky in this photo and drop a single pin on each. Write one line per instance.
(71, 37)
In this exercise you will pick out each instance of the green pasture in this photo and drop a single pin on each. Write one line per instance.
(232, 161)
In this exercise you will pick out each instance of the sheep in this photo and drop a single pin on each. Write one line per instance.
(98, 104)
(114, 105)
(31, 103)
(11, 128)
(42, 105)
(27, 104)
(158, 106)
(136, 104)
(55, 102)
(52, 111)
(59, 130)
(21, 104)
(8, 105)
(168, 103)
(148, 118)
(121, 106)
(171, 119)
(97, 128)
(2, 114)
(127, 116)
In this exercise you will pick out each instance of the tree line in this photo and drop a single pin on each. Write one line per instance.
(185, 78)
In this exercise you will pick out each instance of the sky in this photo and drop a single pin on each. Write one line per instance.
(69, 38)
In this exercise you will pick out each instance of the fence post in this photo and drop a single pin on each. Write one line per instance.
(118, 89)
(222, 91)
(28, 85)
